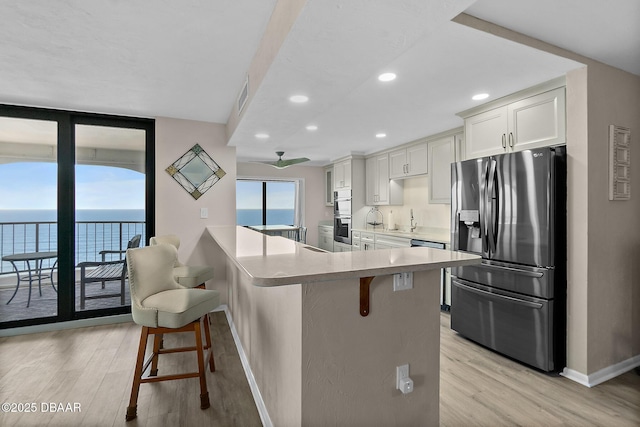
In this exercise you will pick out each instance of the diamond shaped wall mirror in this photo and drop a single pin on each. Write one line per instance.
(195, 171)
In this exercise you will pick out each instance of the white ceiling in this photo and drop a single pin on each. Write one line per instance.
(189, 60)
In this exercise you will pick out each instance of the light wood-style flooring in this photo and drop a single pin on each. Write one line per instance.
(481, 388)
(94, 367)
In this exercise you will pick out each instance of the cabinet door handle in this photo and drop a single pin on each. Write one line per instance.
(504, 141)
(511, 139)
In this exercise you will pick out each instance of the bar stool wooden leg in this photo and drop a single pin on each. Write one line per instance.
(157, 340)
(137, 375)
(208, 346)
(204, 394)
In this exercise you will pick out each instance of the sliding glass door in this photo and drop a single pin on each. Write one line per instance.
(28, 218)
(75, 189)
(110, 211)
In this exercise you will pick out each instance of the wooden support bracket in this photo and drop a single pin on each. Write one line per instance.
(364, 295)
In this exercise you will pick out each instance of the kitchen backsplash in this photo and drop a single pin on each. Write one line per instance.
(416, 197)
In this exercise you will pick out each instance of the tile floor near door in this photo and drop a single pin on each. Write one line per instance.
(94, 367)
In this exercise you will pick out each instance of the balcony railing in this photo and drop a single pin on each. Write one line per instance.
(91, 238)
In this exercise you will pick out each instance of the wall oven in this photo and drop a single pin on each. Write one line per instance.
(342, 216)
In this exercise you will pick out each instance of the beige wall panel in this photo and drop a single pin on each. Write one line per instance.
(177, 211)
(614, 231)
(349, 361)
(577, 220)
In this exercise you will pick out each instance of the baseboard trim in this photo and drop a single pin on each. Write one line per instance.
(72, 324)
(253, 385)
(602, 375)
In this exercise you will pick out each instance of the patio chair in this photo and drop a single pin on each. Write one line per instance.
(105, 271)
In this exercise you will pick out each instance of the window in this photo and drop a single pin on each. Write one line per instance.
(73, 184)
(267, 202)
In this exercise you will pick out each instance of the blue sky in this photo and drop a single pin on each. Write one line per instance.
(34, 186)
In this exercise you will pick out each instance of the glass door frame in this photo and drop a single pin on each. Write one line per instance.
(67, 120)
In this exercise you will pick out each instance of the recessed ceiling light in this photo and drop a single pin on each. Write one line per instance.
(262, 135)
(380, 135)
(480, 96)
(312, 127)
(387, 77)
(299, 99)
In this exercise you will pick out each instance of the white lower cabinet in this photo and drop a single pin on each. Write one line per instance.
(341, 247)
(388, 242)
(355, 241)
(325, 237)
(367, 241)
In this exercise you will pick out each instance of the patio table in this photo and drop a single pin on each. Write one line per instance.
(33, 273)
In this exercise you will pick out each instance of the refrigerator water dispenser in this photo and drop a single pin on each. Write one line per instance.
(469, 231)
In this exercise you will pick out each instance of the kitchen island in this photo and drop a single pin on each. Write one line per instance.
(324, 332)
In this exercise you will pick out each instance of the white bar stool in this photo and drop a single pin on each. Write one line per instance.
(191, 276)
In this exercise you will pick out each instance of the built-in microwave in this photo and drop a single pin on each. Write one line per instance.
(342, 203)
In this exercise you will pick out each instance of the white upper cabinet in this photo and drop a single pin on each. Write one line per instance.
(536, 120)
(379, 190)
(328, 186)
(397, 163)
(486, 133)
(409, 161)
(342, 175)
(442, 152)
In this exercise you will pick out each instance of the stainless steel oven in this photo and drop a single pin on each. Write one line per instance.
(342, 216)
(342, 229)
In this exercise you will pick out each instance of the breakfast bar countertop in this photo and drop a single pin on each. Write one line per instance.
(275, 261)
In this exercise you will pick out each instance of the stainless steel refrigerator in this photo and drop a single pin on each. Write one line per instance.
(511, 210)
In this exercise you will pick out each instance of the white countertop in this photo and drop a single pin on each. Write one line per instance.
(275, 260)
(439, 235)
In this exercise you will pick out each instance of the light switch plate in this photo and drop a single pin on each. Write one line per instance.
(204, 213)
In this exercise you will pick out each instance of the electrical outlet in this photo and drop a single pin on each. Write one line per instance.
(402, 372)
(402, 281)
(408, 280)
(403, 382)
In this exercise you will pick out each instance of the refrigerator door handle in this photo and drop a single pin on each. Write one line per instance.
(492, 217)
(484, 211)
(534, 274)
(498, 297)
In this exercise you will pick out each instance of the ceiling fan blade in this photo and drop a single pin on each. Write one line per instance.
(281, 164)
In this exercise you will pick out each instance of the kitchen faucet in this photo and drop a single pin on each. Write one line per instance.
(412, 225)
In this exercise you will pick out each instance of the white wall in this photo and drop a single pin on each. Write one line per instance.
(315, 210)
(603, 235)
(177, 212)
(614, 231)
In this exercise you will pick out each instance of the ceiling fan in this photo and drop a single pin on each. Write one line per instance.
(281, 164)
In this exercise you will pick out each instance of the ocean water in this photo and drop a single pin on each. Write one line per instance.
(274, 216)
(44, 215)
(96, 229)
